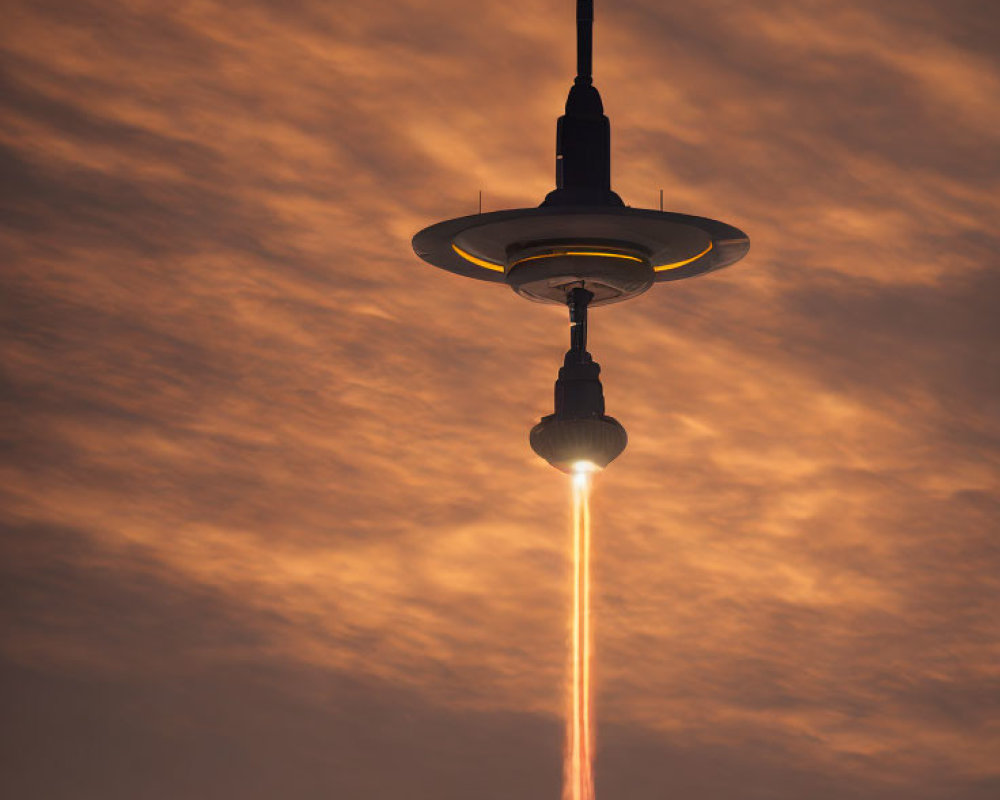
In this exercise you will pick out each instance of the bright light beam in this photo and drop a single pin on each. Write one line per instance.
(578, 781)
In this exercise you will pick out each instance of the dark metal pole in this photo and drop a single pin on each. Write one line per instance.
(584, 40)
(578, 299)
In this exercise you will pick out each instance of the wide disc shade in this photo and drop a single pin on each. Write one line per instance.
(678, 245)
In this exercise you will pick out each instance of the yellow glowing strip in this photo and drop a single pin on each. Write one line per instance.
(477, 261)
(682, 263)
(577, 253)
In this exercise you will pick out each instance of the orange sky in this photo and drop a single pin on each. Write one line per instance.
(273, 527)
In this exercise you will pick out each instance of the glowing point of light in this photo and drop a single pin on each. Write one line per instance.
(677, 264)
(477, 261)
(582, 470)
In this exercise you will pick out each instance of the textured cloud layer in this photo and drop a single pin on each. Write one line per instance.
(273, 527)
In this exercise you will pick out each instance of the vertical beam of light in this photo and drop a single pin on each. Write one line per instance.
(578, 781)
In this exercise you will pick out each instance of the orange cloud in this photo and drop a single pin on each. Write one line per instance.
(268, 488)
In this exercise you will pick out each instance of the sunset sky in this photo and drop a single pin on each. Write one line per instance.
(272, 526)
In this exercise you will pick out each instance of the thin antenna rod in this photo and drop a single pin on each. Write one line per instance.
(584, 40)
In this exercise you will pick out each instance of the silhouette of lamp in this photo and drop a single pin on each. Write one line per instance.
(581, 247)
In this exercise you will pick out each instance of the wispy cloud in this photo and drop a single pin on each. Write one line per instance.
(260, 455)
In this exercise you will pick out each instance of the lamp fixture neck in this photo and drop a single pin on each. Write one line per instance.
(583, 133)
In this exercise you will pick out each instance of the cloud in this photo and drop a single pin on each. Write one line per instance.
(267, 474)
